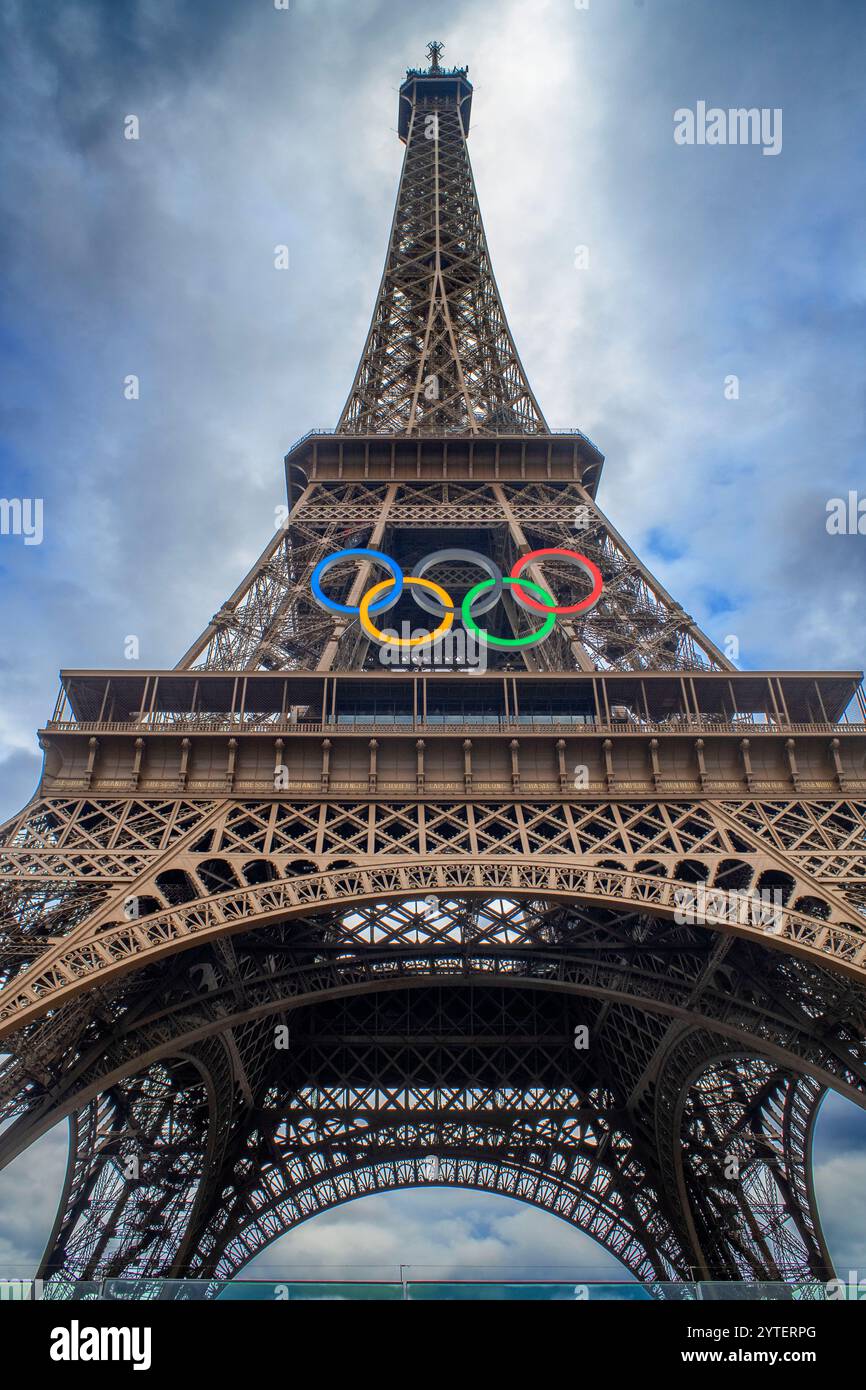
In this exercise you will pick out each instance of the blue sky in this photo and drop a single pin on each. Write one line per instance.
(261, 127)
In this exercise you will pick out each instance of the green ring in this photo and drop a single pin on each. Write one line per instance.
(481, 632)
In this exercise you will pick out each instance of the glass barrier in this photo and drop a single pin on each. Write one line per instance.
(413, 1283)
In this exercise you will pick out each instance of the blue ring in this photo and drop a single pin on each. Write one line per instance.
(386, 602)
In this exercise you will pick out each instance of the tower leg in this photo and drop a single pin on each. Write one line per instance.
(139, 1161)
(735, 1136)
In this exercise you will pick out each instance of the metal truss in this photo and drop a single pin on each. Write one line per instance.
(463, 1069)
(439, 356)
(433, 963)
(272, 623)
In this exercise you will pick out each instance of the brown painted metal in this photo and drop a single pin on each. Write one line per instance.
(433, 881)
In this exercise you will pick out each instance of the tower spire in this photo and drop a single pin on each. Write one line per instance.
(434, 52)
(439, 357)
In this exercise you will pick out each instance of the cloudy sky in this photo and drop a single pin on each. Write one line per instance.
(261, 127)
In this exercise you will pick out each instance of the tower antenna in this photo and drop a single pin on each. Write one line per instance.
(434, 51)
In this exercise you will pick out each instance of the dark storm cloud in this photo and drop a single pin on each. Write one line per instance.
(843, 1127)
(840, 1182)
(94, 55)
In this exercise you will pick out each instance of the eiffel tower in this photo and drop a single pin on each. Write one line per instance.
(327, 911)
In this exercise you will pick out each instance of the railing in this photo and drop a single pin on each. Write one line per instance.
(169, 722)
(436, 72)
(309, 435)
(489, 430)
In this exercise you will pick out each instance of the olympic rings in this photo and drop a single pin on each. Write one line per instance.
(470, 557)
(444, 606)
(509, 643)
(589, 569)
(324, 565)
(372, 631)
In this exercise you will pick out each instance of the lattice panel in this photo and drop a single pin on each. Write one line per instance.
(439, 356)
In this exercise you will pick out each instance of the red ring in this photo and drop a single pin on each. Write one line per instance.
(597, 581)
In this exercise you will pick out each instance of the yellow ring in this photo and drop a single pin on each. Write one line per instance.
(377, 589)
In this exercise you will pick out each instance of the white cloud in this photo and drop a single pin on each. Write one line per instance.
(29, 1192)
(840, 1183)
(440, 1235)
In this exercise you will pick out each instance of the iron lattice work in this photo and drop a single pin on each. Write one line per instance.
(273, 623)
(439, 357)
(281, 927)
